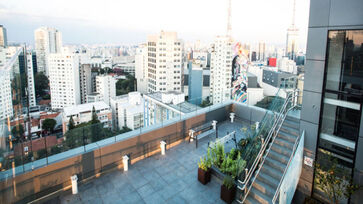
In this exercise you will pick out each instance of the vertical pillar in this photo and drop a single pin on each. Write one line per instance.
(163, 147)
(74, 180)
(232, 116)
(125, 160)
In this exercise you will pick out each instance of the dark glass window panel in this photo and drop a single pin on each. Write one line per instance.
(340, 121)
(344, 71)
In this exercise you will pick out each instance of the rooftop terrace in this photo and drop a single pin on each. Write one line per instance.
(170, 178)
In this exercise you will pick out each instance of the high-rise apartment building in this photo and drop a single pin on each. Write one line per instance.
(141, 64)
(221, 69)
(6, 104)
(106, 87)
(47, 40)
(85, 76)
(165, 64)
(292, 38)
(64, 80)
(30, 77)
(3, 37)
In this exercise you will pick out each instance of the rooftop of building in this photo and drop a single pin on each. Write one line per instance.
(184, 107)
(76, 109)
(170, 178)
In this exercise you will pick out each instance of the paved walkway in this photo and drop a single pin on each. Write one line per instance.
(171, 178)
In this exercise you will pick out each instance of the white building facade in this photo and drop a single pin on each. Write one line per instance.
(83, 114)
(106, 87)
(64, 80)
(127, 111)
(30, 78)
(47, 40)
(221, 70)
(141, 68)
(165, 64)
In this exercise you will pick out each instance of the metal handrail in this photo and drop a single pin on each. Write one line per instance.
(273, 131)
(288, 164)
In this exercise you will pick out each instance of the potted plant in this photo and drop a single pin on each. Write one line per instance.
(204, 173)
(228, 189)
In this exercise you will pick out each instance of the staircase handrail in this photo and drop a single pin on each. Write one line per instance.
(272, 134)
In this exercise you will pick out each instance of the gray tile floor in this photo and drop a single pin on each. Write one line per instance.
(171, 178)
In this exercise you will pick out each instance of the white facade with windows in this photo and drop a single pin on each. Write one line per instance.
(64, 80)
(47, 40)
(127, 110)
(141, 68)
(30, 78)
(165, 62)
(221, 70)
(83, 114)
(6, 104)
(106, 87)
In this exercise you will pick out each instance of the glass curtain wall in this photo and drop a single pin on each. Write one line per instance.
(341, 106)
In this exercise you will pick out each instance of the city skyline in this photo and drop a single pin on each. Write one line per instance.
(114, 22)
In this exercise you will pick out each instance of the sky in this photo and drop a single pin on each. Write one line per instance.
(130, 21)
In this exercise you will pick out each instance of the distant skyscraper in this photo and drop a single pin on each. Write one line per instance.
(47, 40)
(221, 69)
(3, 37)
(141, 68)
(64, 80)
(165, 64)
(261, 51)
(292, 37)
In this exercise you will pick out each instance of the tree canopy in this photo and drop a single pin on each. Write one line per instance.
(49, 124)
(124, 86)
(41, 84)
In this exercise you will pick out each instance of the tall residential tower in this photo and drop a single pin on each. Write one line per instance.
(165, 64)
(47, 40)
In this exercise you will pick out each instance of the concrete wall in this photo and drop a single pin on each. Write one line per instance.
(56, 177)
(324, 15)
(250, 113)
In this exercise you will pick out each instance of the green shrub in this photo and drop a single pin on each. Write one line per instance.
(228, 182)
(218, 155)
(233, 164)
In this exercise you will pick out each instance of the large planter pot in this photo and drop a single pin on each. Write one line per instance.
(203, 176)
(228, 195)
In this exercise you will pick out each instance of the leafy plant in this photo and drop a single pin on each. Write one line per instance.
(334, 181)
(218, 155)
(228, 182)
(233, 164)
(205, 162)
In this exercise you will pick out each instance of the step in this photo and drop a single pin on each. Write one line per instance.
(293, 119)
(251, 200)
(269, 180)
(263, 188)
(291, 124)
(284, 143)
(279, 157)
(259, 196)
(274, 173)
(287, 136)
(289, 130)
(275, 164)
(281, 150)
